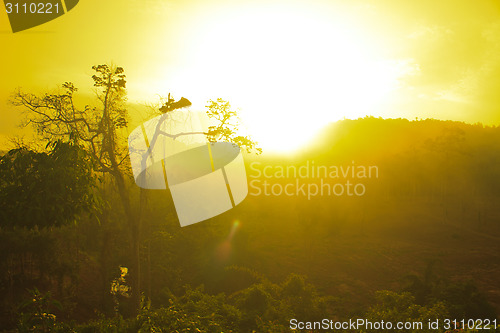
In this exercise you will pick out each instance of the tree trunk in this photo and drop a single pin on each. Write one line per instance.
(133, 221)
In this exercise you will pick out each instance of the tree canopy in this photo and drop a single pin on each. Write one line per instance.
(45, 189)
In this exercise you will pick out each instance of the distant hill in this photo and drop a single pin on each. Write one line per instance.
(372, 136)
(436, 198)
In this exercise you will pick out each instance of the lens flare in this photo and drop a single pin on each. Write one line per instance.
(235, 227)
(223, 251)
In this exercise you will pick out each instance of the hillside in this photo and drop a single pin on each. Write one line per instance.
(406, 206)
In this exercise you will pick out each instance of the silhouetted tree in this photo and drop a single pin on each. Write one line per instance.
(45, 189)
(97, 128)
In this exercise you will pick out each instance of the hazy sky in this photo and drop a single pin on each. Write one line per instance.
(275, 60)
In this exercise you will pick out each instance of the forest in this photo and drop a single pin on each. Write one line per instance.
(83, 249)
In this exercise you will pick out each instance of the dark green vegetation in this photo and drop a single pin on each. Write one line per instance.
(428, 230)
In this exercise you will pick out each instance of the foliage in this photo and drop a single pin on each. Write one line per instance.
(46, 189)
(394, 307)
(36, 313)
(226, 127)
(262, 307)
(462, 299)
(119, 288)
(259, 307)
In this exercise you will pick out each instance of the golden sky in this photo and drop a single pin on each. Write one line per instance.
(290, 66)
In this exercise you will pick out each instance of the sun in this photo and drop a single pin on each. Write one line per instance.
(290, 70)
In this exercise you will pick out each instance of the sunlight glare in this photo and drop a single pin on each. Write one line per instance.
(290, 72)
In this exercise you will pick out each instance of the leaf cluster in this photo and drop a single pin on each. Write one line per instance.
(227, 126)
(46, 189)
